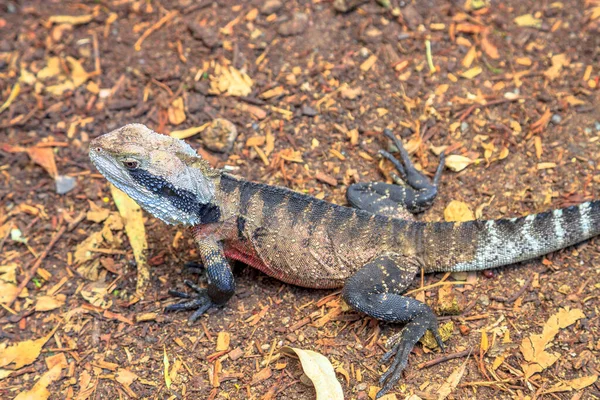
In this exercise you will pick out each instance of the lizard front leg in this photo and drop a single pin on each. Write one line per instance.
(376, 290)
(221, 284)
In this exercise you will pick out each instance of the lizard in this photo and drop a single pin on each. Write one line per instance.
(372, 250)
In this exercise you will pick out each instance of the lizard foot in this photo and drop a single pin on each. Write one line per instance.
(401, 345)
(201, 302)
(194, 267)
(426, 191)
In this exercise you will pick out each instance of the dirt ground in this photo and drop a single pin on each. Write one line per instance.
(508, 87)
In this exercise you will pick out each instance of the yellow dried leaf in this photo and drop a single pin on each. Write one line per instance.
(458, 211)
(573, 384)
(471, 73)
(574, 101)
(525, 61)
(189, 132)
(469, 57)
(320, 371)
(223, 339)
(452, 381)
(22, 353)
(176, 111)
(136, 233)
(534, 347)
(166, 368)
(516, 127)
(488, 47)
(528, 20)
(48, 303)
(558, 62)
(457, 162)
(368, 63)
(11, 97)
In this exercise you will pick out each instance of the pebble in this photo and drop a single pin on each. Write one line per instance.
(588, 131)
(308, 111)
(556, 119)
(270, 7)
(364, 52)
(361, 386)
(484, 300)
(597, 126)
(64, 184)
(220, 135)
(295, 26)
(463, 127)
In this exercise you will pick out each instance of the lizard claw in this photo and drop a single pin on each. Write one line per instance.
(401, 345)
(201, 302)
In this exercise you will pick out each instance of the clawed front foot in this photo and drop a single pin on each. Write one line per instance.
(200, 302)
(424, 190)
(401, 345)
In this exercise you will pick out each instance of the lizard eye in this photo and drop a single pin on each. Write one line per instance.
(130, 163)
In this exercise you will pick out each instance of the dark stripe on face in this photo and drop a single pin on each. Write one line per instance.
(181, 199)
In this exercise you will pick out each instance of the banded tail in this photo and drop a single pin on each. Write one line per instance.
(488, 244)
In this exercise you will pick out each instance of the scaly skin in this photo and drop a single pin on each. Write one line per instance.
(373, 252)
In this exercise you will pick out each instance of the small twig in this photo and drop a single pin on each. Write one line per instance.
(435, 285)
(31, 272)
(429, 57)
(516, 295)
(138, 44)
(472, 108)
(445, 357)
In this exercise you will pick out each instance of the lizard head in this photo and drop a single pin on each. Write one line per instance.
(162, 174)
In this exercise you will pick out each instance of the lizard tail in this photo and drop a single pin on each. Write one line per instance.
(489, 244)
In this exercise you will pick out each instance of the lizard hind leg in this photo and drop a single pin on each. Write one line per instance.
(376, 290)
(412, 193)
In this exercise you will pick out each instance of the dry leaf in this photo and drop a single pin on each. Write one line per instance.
(22, 353)
(48, 303)
(136, 233)
(488, 47)
(468, 60)
(231, 81)
(11, 97)
(471, 73)
(166, 368)
(368, 63)
(223, 341)
(187, 133)
(40, 391)
(528, 20)
(96, 293)
(97, 214)
(558, 62)
(572, 384)
(176, 112)
(458, 211)
(457, 162)
(319, 370)
(44, 157)
(452, 381)
(534, 347)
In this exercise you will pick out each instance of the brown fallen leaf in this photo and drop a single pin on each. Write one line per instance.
(97, 214)
(189, 132)
(44, 157)
(320, 371)
(176, 111)
(528, 20)
(488, 47)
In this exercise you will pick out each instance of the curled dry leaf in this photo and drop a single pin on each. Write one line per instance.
(457, 162)
(320, 371)
(573, 384)
(452, 381)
